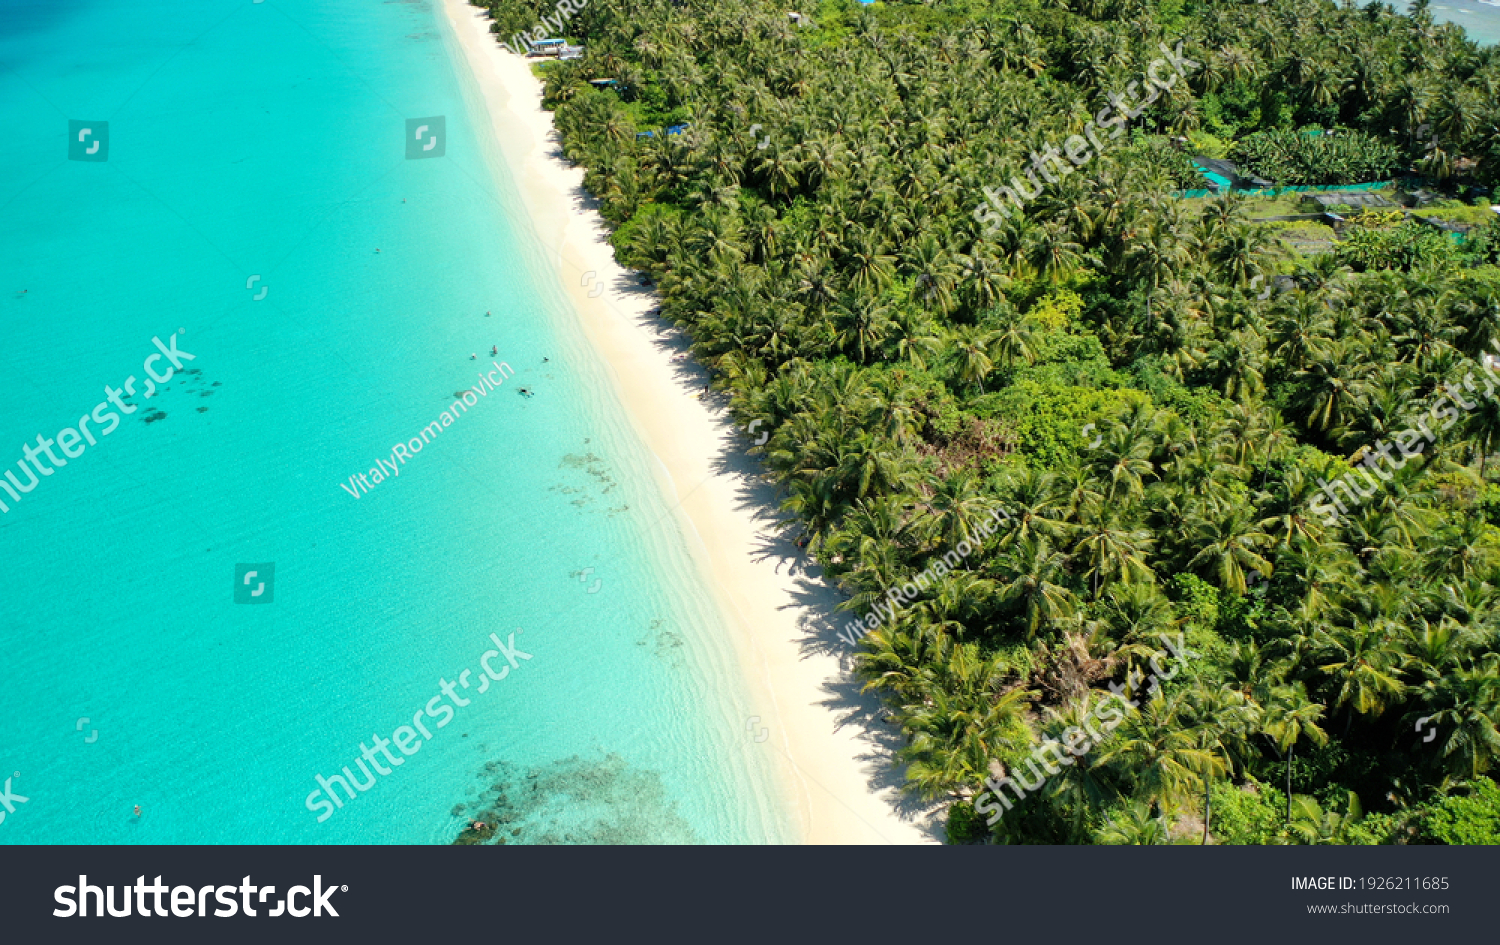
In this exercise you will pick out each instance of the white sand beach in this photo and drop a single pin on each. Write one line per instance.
(831, 744)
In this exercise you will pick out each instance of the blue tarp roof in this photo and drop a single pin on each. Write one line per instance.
(673, 130)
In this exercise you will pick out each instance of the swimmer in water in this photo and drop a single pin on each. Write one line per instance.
(138, 810)
(474, 357)
(486, 313)
(494, 350)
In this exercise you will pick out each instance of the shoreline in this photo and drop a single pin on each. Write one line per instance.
(833, 750)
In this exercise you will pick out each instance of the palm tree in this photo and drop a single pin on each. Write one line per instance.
(1363, 667)
(962, 721)
(1222, 720)
(1464, 707)
(1157, 251)
(1133, 825)
(870, 465)
(974, 348)
(1289, 717)
(1123, 460)
(1031, 576)
(1229, 546)
(1240, 253)
(1235, 363)
(870, 269)
(1461, 552)
(1014, 340)
(982, 278)
(1052, 252)
(1482, 428)
(915, 338)
(780, 172)
(957, 507)
(1161, 756)
(936, 275)
(1310, 824)
(1137, 614)
(1082, 787)
(1111, 549)
(1034, 500)
(865, 329)
(1326, 389)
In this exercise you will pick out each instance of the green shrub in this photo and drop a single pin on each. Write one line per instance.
(1488, 504)
(1197, 600)
(1207, 145)
(1469, 819)
(1249, 814)
(1406, 247)
(1056, 309)
(1048, 416)
(964, 823)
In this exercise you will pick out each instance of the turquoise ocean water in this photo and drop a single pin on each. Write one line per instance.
(268, 139)
(1479, 18)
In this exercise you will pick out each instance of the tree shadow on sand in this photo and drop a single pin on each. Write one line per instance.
(814, 599)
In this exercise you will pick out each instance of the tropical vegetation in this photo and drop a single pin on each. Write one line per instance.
(1110, 369)
(1343, 157)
